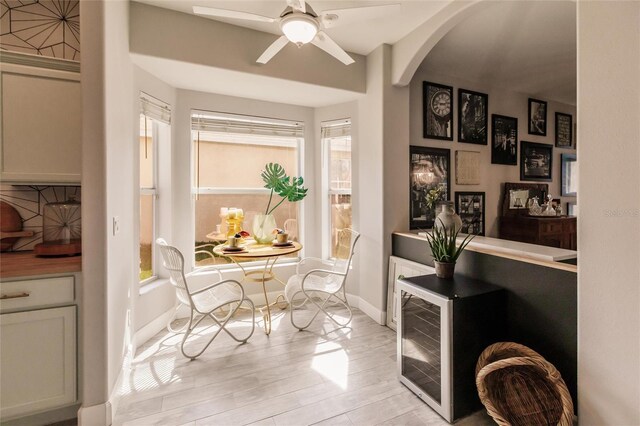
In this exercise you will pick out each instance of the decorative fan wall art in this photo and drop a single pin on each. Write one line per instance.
(41, 27)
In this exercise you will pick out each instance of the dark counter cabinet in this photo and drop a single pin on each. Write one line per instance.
(558, 232)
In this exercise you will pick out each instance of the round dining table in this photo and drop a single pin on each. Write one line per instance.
(270, 254)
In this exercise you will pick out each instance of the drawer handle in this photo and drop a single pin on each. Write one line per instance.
(14, 296)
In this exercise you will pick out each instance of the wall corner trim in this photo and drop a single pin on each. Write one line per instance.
(95, 415)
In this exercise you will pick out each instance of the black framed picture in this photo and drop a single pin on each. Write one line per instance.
(504, 140)
(470, 208)
(472, 117)
(564, 130)
(537, 117)
(437, 111)
(569, 174)
(536, 161)
(429, 177)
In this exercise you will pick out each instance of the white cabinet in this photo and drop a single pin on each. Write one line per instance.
(41, 119)
(401, 268)
(38, 360)
(37, 346)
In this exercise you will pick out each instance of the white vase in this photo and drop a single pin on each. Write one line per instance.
(447, 217)
(263, 226)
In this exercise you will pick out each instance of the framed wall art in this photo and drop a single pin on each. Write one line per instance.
(536, 161)
(470, 208)
(569, 173)
(537, 117)
(504, 140)
(437, 111)
(429, 177)
(564, 130)
(472, 117)
(467, 168)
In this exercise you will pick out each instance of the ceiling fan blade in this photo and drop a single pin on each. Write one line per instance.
(335, 17)
(324, 42)
(298, 5)
(234, 14)
(272, 50)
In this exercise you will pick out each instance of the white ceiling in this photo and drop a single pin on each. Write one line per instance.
(361, 37)
(526, 46)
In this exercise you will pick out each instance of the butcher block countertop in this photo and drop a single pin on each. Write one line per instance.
(25, 263)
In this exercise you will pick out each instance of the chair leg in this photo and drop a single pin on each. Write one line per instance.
(221, 326)
(321, 308)
(173, 318)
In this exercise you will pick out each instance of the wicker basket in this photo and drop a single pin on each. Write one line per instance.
(519, 387)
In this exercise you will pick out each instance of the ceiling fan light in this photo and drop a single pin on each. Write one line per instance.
(299, 29)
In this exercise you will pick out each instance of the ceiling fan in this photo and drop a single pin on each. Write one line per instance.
(300, 24)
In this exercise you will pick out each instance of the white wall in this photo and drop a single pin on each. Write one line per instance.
(501, 101)
(609, 223)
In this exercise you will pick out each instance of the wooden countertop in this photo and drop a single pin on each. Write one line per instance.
(25, 263)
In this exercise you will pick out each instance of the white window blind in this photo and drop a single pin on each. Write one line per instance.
(154, 108)
(335, 129)
(221, 123)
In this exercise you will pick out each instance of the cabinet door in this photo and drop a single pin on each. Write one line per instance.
(41, 125)
(407, 269)
(37, 360)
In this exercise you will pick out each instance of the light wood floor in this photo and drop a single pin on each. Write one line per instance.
(325, 376)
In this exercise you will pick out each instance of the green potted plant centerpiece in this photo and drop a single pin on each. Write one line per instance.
(289, 188)
(444, 248)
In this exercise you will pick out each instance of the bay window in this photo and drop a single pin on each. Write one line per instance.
(229, 154)
(336, 146)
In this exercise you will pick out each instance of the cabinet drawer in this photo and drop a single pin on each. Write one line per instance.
(551, 228)
(33, 293)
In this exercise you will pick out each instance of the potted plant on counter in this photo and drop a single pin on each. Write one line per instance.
(288, 188)
(444, 248)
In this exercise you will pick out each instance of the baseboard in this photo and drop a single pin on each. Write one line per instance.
(95, 415)
(151, 329)
(371, 311)
(53, 416)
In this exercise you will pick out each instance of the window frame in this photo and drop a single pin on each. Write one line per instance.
(197, 190)
(327, 191)
(153, 192)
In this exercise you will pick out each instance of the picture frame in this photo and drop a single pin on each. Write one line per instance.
(569, 175)
(470, 206)
(504, 140)
(536, 161)
(429, 169)
(572, 208)
(467, 168)
(473, 113)
(437, 111)
(537, 117)
(564, 130)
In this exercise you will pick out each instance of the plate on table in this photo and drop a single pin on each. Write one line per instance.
(276, 244)
(228, 249)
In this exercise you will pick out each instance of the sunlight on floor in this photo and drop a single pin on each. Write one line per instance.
(332, 362)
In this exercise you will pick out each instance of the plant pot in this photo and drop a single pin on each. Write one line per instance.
(444, 269)
(263, 226)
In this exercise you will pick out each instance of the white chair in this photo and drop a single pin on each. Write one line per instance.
(205, 301)
(321, 283)
(291, 228)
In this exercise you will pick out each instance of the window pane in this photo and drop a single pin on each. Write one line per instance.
(146, 153)
(340, 206)
(146, 236)
(208, 220)
(238, 165)
(340, 155)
